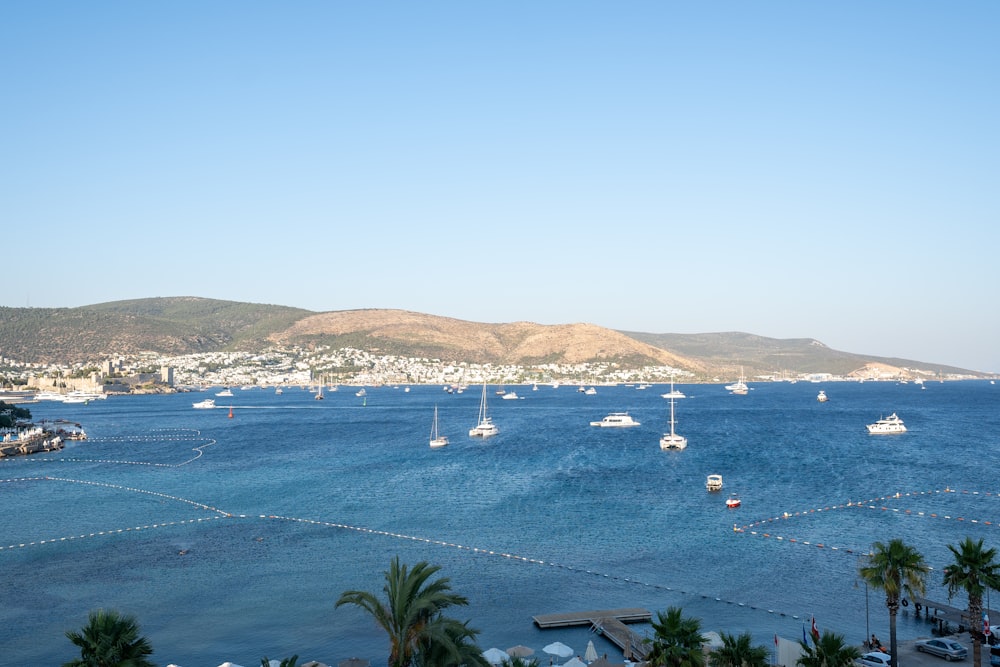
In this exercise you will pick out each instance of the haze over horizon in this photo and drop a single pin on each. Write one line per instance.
(782, 169)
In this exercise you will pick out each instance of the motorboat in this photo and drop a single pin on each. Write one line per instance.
(672, 440)
(361, 392)
(821, 396)
(616, 420)
(673, 393)
(739, 387)
(207, 404)
(590, 392)
(485, 428)
(887, 425)
(224, 392)
(437, 440)
(713, 483)
(510, 396)
(733, 501)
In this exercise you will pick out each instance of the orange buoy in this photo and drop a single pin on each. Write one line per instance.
(230, 412)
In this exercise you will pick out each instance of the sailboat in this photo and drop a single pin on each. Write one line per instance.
(485, 428)
(672, 440)
(437, 440)
(739, 387)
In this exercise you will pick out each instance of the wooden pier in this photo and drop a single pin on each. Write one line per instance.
(609, 623)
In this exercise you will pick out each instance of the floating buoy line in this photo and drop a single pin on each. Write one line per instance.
(875, 504)
(184, 435)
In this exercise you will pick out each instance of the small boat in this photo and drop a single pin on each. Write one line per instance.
(732, 502)
(590, 392)
(713, 483)
(361, 392)
(672, 440)
(278, 391)
(616, 420)
(224, 392)
(887, 425)
(485, 428)
(673, 393)
(319, 393)
(821, 396)
(207, 404)
(437, 440)
(510, 396)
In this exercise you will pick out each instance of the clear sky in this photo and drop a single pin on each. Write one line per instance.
(788, 169)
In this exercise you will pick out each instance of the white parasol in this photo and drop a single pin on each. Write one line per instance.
(558, 649)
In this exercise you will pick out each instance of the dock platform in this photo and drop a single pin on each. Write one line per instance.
(609, 623)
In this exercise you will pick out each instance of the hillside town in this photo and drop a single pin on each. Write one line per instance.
(154, 373)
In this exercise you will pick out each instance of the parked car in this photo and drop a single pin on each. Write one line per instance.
(949, 649)
(874, 659)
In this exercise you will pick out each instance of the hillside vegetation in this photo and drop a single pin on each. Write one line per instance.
(185, 325)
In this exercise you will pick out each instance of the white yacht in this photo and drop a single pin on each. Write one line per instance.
(590, 392)
(224, 392)
(437, 440)
(207, 404)
(713, 483)
(887, 425)
(672, 440)
(616, 420)
(485, 428)
(510, 396)
(739, 387)
(821, 396)
(673, 393)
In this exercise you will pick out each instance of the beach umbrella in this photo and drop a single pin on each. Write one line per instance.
(574, 662)
(495, 656)
(558, 649)
(520, 651)
(591, 654)
(712, 640)
(229, 664)
(314, 663)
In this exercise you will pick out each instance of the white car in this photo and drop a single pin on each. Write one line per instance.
(874, 659)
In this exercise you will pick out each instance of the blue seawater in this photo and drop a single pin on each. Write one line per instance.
(231, 539)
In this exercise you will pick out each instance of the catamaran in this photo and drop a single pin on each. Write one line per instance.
(485, 428)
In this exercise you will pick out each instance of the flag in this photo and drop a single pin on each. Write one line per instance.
(986, 624)
(814, 631)
(805, 638)
(775, 640)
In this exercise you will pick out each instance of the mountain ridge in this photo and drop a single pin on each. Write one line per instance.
(185, 325)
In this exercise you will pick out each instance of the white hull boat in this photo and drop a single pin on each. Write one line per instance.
(616, 420)
(485, 428)
(437, 440)
(887, 426)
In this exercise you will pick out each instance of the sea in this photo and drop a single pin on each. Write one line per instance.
(230, 538)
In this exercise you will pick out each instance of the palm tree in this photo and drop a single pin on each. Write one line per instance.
(739, 651)
(411, 614)
(894, 568)
(110, 639)
(973, 570)
(287, 662)
(458, 648)
(829, 651)
(676, 640)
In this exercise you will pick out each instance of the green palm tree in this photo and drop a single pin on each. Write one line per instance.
(110, 639)
(895, 568)
(739, 651)
(973, 571)
(457, 648)
(411, 614)
(676, 640)
(829, 651)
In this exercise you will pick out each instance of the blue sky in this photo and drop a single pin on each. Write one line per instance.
(789, 169)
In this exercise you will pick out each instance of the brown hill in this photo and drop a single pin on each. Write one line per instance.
(525, 343)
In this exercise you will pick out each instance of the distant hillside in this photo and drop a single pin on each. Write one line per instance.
(758, 355)
(186, 325)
